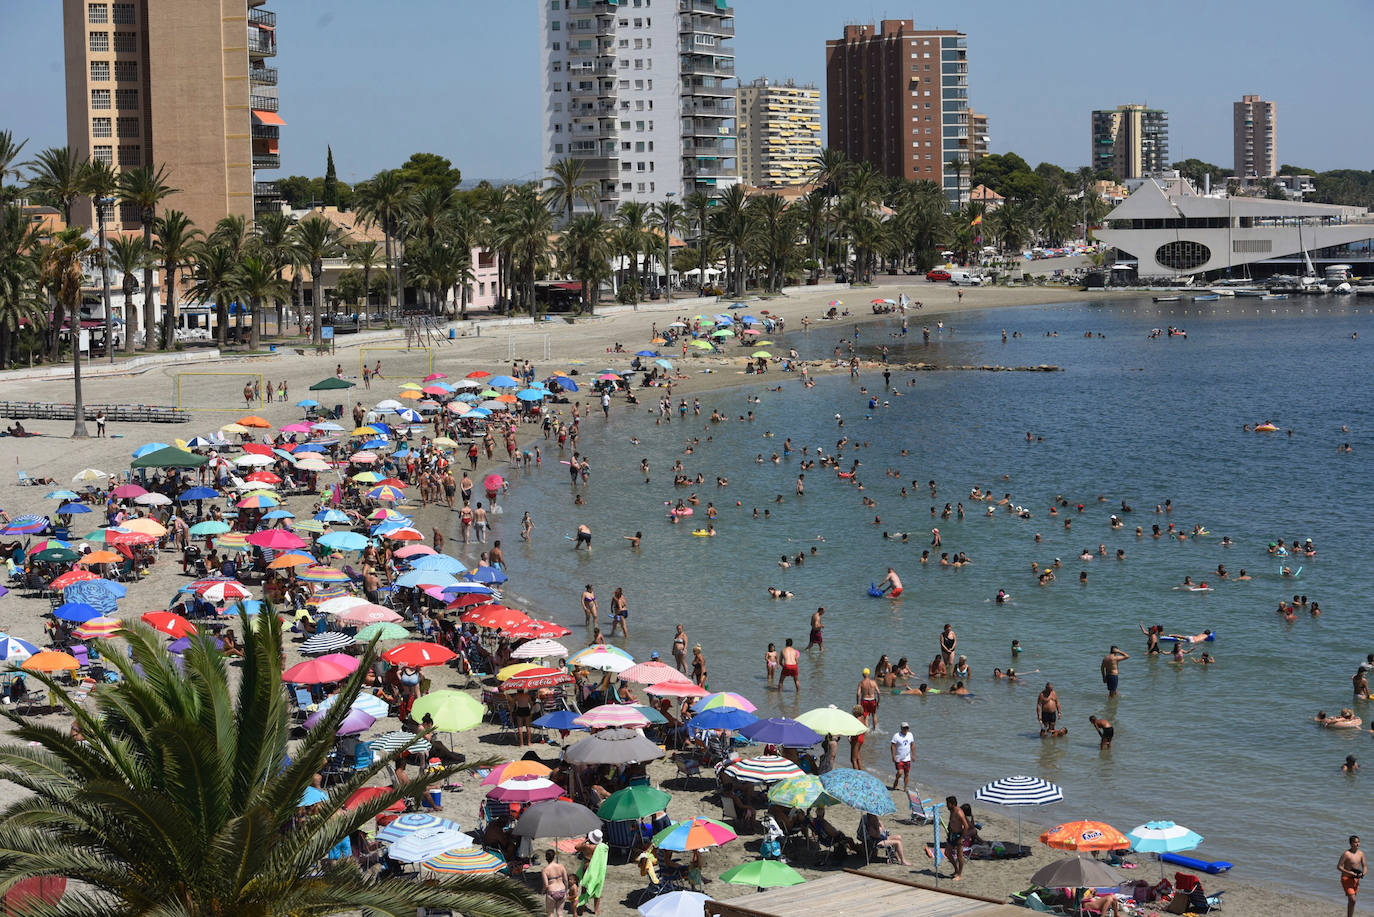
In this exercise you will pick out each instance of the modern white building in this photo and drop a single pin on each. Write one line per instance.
(642, 93)
(1172, 231)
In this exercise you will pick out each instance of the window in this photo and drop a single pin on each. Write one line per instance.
(641, 187)
(126, 98)
(557, 46)
(639, 167)
(100, 127)
(1183, 256)
(128, 213)
(556, 25)
(100, 41)
(100, 99)
(624, 43)
(100, 71)
(130, 154)
(558, 148)
(639, 125)
(639, 23)
(557, 66)
(639, 145)
(126, 71)
(124, 14)
(126, 43)
(128, 127)
(97, 13)
(103, 154)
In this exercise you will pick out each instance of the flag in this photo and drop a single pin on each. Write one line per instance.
(977, 221)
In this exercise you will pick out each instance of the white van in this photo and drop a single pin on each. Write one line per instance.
(965, 279)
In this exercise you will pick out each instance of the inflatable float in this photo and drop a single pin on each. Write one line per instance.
(702, 533)
(1266, 428)
(1210, 867)
(685, 511)
(1210, 638)
(874, 591)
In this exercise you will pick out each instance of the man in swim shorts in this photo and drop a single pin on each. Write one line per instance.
(891, 584)
(1111, 676)
(867, 696)
(1047, 710)
(790, 658)
(1105, 730)
(1351, 866)
(584, 536)
(817, 637)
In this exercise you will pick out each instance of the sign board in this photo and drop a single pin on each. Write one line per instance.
(327, 333)
(85, 341)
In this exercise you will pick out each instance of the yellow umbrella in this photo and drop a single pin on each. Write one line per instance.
(367, 477)
(702, 345)
(365, 431)
(233, 428)
(445, 442)
(761, 354)
(411, 395)
(514, 669)
(412, 386)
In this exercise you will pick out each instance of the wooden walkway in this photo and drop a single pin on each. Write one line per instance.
(115, 413)
(856, 894)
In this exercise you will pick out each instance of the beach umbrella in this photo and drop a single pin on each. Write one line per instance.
(801, 793)
(645, 353)
(411, 550)
(413, 823)
(694, 834)
(218, 593)
(386, 492)
(1162, 837)
(613, 746)
(764, 769)
(147, 449)
(633, 802)
(321, 670)
(724, 699)
(675, 689)
(50, 661)
(534, 629)
(370, 704)
(270, 478)
(344, 541)
(464, 861)
(561, 720)
(1019, 791)
(72, 576)
(781, 731)
(761, 355)
(169, 623)
(502, 382)
(354, 722)
(612, 715)
(832, 720)
(566, 382)
(537, 678)
(209, 527)
(487, 576)
(75, 612)
(531, 394)
(56, 555)
(311, 796)
(368, 613)
(249, 607)
(258, 501)
(198, 493)
(505, 673)
(651, 673)
(539, 649)
(1076, 872)
(144, 527)
(25, 525)
(330, 516)
(676, 904)
(319, 573)
(452, 711)
(279, 514)
(289, 560)
(366, 794)
(62, 495)
(76, 509)
(329, 641)
(859, 790)
(414, 578)
(512, 769)
(423, 845)
(13, 650)
(419, 654)
(525, 790)
(497, 617)
(276, 540)
(725, 718)
(1084, 835)
(98, 627)
(88, 476)
(441, 562)
(180, 645)
(763, 874)
(556, 818)
(382, 630)
(666, 364)
(330, 383)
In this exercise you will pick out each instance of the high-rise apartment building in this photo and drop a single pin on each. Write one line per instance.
(180, 84)
(897, 97)
(1255, 129)
(1130, 141)
(982, 141)
(779, 126)
(640, 93)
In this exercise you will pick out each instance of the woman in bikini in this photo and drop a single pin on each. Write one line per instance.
(555, 884)
(680, 649)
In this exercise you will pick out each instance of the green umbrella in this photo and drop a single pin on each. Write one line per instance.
(96, 537)
(762, 874)
(633, 802)
(209, 527)
(332, 382)
(452, 711)
(722, 333)
(56, 556)
(170, 457)
(761, 354)
(383, 630)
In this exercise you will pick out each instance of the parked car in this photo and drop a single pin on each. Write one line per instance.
(965, 279)
(937, 275)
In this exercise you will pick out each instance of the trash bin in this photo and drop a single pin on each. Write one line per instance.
(452, 334)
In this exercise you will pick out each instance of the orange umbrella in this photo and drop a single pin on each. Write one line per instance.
(283, 561)
(513, 769)
(50, 661)
(100, 557)
(252, 420)
(144, 526)
(1084, 835)
(410, 395)
(506, 399)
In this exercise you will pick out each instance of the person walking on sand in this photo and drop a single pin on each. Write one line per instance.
(1351, 866)
(817, 637)
(1111, 676)
(99, 424)
(790, 660)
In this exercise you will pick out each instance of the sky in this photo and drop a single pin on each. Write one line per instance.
(381, 80)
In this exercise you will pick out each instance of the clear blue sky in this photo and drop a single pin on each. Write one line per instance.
(380, 80)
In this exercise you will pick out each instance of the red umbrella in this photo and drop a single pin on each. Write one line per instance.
(264, 477)
(276, 539)
(469, 599)
(257, 449)
(366, 794)
(170, 623)
(113, 537)
(538, 677)
(478, 374)
(128, 491)
(498, 617)
(675, 689)
(419, 654)
(537, 629)
(72, 576)
(492, 483)
(334, 667)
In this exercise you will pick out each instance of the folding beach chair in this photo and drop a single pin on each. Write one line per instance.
(922, 810)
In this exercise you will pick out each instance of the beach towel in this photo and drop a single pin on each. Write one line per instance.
(593, 877)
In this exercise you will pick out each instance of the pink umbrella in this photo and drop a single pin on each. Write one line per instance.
(296, 428)
(608, 377)
(432, 376)
(414, 550)
(363, 458)
(525, 789)
(651, 673)
(276, 540)
(675, 689)
(492, 483)
(434, 390)
(368, 614)
(610, 715)
(225, 592)
(333, 667)
(128, 491)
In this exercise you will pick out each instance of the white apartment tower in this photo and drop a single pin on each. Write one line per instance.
(637, 90)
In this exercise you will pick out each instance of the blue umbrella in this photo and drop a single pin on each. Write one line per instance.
(438, 562)
(199, 442)
(376, 444)
(150, 447)
(312, 795)
(12, 649)
(468, 397)
(409, 416)
(858, 789)
(566, 382)
(308, 403)
(310, 447)
(249, 607)
(344, 541)
(75, 612)
(468, 587)
(424, 578)
(380, 427)
(62, 495)
(198, 493)
(646, 353)
(331, 515)
(750, 320)
(737, 305)
(70, 509)
(478, 412)
(731, 718)
(489, 575)
(531, 394)
(279, 514)
(25, 525)
(559, 719)
(664, 363)
(502, 382)
(780, 730)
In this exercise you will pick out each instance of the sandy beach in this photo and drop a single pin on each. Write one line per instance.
(55, 455)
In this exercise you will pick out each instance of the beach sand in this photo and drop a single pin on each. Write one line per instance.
(55, 455)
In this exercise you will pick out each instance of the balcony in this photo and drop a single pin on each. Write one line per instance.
(706, 65)
(705, 169)
(707, 109)
(267, 189)
(263, 17)
(708, 7)
(263, 76)
(263, 103)
(707, 25)
(592, 68)
(266, 132)
(724, 146)
(711, 130)
(260, 44)
(266, 161)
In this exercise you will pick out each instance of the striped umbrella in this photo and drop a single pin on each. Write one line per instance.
(382, 630)
(470, 861)
(386, 493)
(512, 769)
(367, 613)
(539, 649)
(724, 699)
(525, 789)
(319, 573)
(218, 593)
(611, 715)
(233, 541)
(651, 673)
(258, 501)
(98, 627)
(674, 689)
(12, 649)
(535, 629)
(764, 769)
(1019, 791)
(370, 704)
(537, 678)
(391, 741)
(326, 642)
(1162, 837)
(694, 834)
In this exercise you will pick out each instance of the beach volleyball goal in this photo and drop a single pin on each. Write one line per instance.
(218, 392)
(399, 363)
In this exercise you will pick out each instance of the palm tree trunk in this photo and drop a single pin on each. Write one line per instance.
(169, 308)
(298, 296)
(78, 403)
(315, 296)
(149, 304)
(367, 297)
(529, 287)
(255, 335)
(221, 324)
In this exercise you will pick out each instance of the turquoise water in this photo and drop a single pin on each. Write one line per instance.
(1229, 750)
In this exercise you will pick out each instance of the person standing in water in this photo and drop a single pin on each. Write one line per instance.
(1111, 676)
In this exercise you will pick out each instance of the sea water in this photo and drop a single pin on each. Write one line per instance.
(1229, 750)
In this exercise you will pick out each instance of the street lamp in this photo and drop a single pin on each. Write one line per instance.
(667, 247)
(100, 204)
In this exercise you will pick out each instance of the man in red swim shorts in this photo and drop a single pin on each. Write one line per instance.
(867, 695)
(790, 657)
(817, 637)
(891, 584)
(1351, 866)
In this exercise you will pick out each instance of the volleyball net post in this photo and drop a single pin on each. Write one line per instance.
(399, 363)
(214, 392)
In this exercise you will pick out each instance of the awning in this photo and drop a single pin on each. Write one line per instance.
(568, 286)
(267, 117)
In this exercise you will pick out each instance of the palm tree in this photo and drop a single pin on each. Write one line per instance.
(21, 298)
(145, 188)
(62, 272)
(258, 282)
(318, 239)
(957, 166)
(366, 257)
(633, 220)
(234, 233)
(566, 187)
(587, 252)
(828, 170)
(128, 256)
(99, 182)
(9, 153)
(385, 200)
(812, 211)
(735, 225)
(670, 215)
(175, 247)
(58, 173)
(1009, 225)
(777, 236)
(529, 225)
(215, 281)
(179, 797)
(275, 240)
(698, 205)
(470, 230)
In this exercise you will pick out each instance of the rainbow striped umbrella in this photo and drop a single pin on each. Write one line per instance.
(317, 573)
(724, 699)
(258, 501)
(764, 769)
(233, 541)
(471, 861)
(386, 493)
(98, 627)
(694, 834)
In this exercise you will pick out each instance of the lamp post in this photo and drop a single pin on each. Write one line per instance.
(667, 248)
(100, 204)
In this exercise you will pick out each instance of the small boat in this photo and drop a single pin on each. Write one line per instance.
(1249, 292)
(1272, 296)
(1206, 297)
(1167, 298)
(1225, 292)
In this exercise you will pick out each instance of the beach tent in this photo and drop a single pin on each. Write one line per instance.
(329, 383)
(169, 457)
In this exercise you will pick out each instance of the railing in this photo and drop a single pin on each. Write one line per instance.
(262, 46)
(266, 189)
(703, 6)
(709, 25)
(711, 170)
(263, 76)
(266, 132)
(266, 161)
(263, 17)
(263, 103)
(694, 107)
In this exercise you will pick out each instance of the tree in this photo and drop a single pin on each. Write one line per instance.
(9, 153)
(470, 231)
(777, 236)
(958, 166)
(296, 190)
(698, 205)
(828, 170)
(128, 256)
(176, 247)
(62, 272)
(529, 226)
(180, 798)
(99, 182)
(144, 188)
(1196, 171)
(366, 256)
(233, 233)
(812, 211)
(566, 187)
(330, 195)
(430, 170)
(587, 252)
(386, 200)
(257, 280)
(317, 239)
(669, 215)
(277, 243)
(216, 282)
(21, 299)
(56, 179)
(734, 225)
(633, 219)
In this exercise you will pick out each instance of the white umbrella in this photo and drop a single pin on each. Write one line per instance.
(253, 460)
(429, 842)
(311, 463)
(386, 744)
(370, 704)
(539, 649)
(1162, 837)
(676, 904)
(390, 404)
(153, 499)
(341, 604)
(1019, 791)
(87, 475)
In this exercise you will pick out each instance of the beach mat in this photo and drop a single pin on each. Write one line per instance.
(993, 851)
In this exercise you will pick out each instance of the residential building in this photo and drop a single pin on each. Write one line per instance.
(1254, 130)
(897, 97)
(1130, 141)
(978, 126)
(640, 94)
(779, 127)
(1170, 230)
(180, 84)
